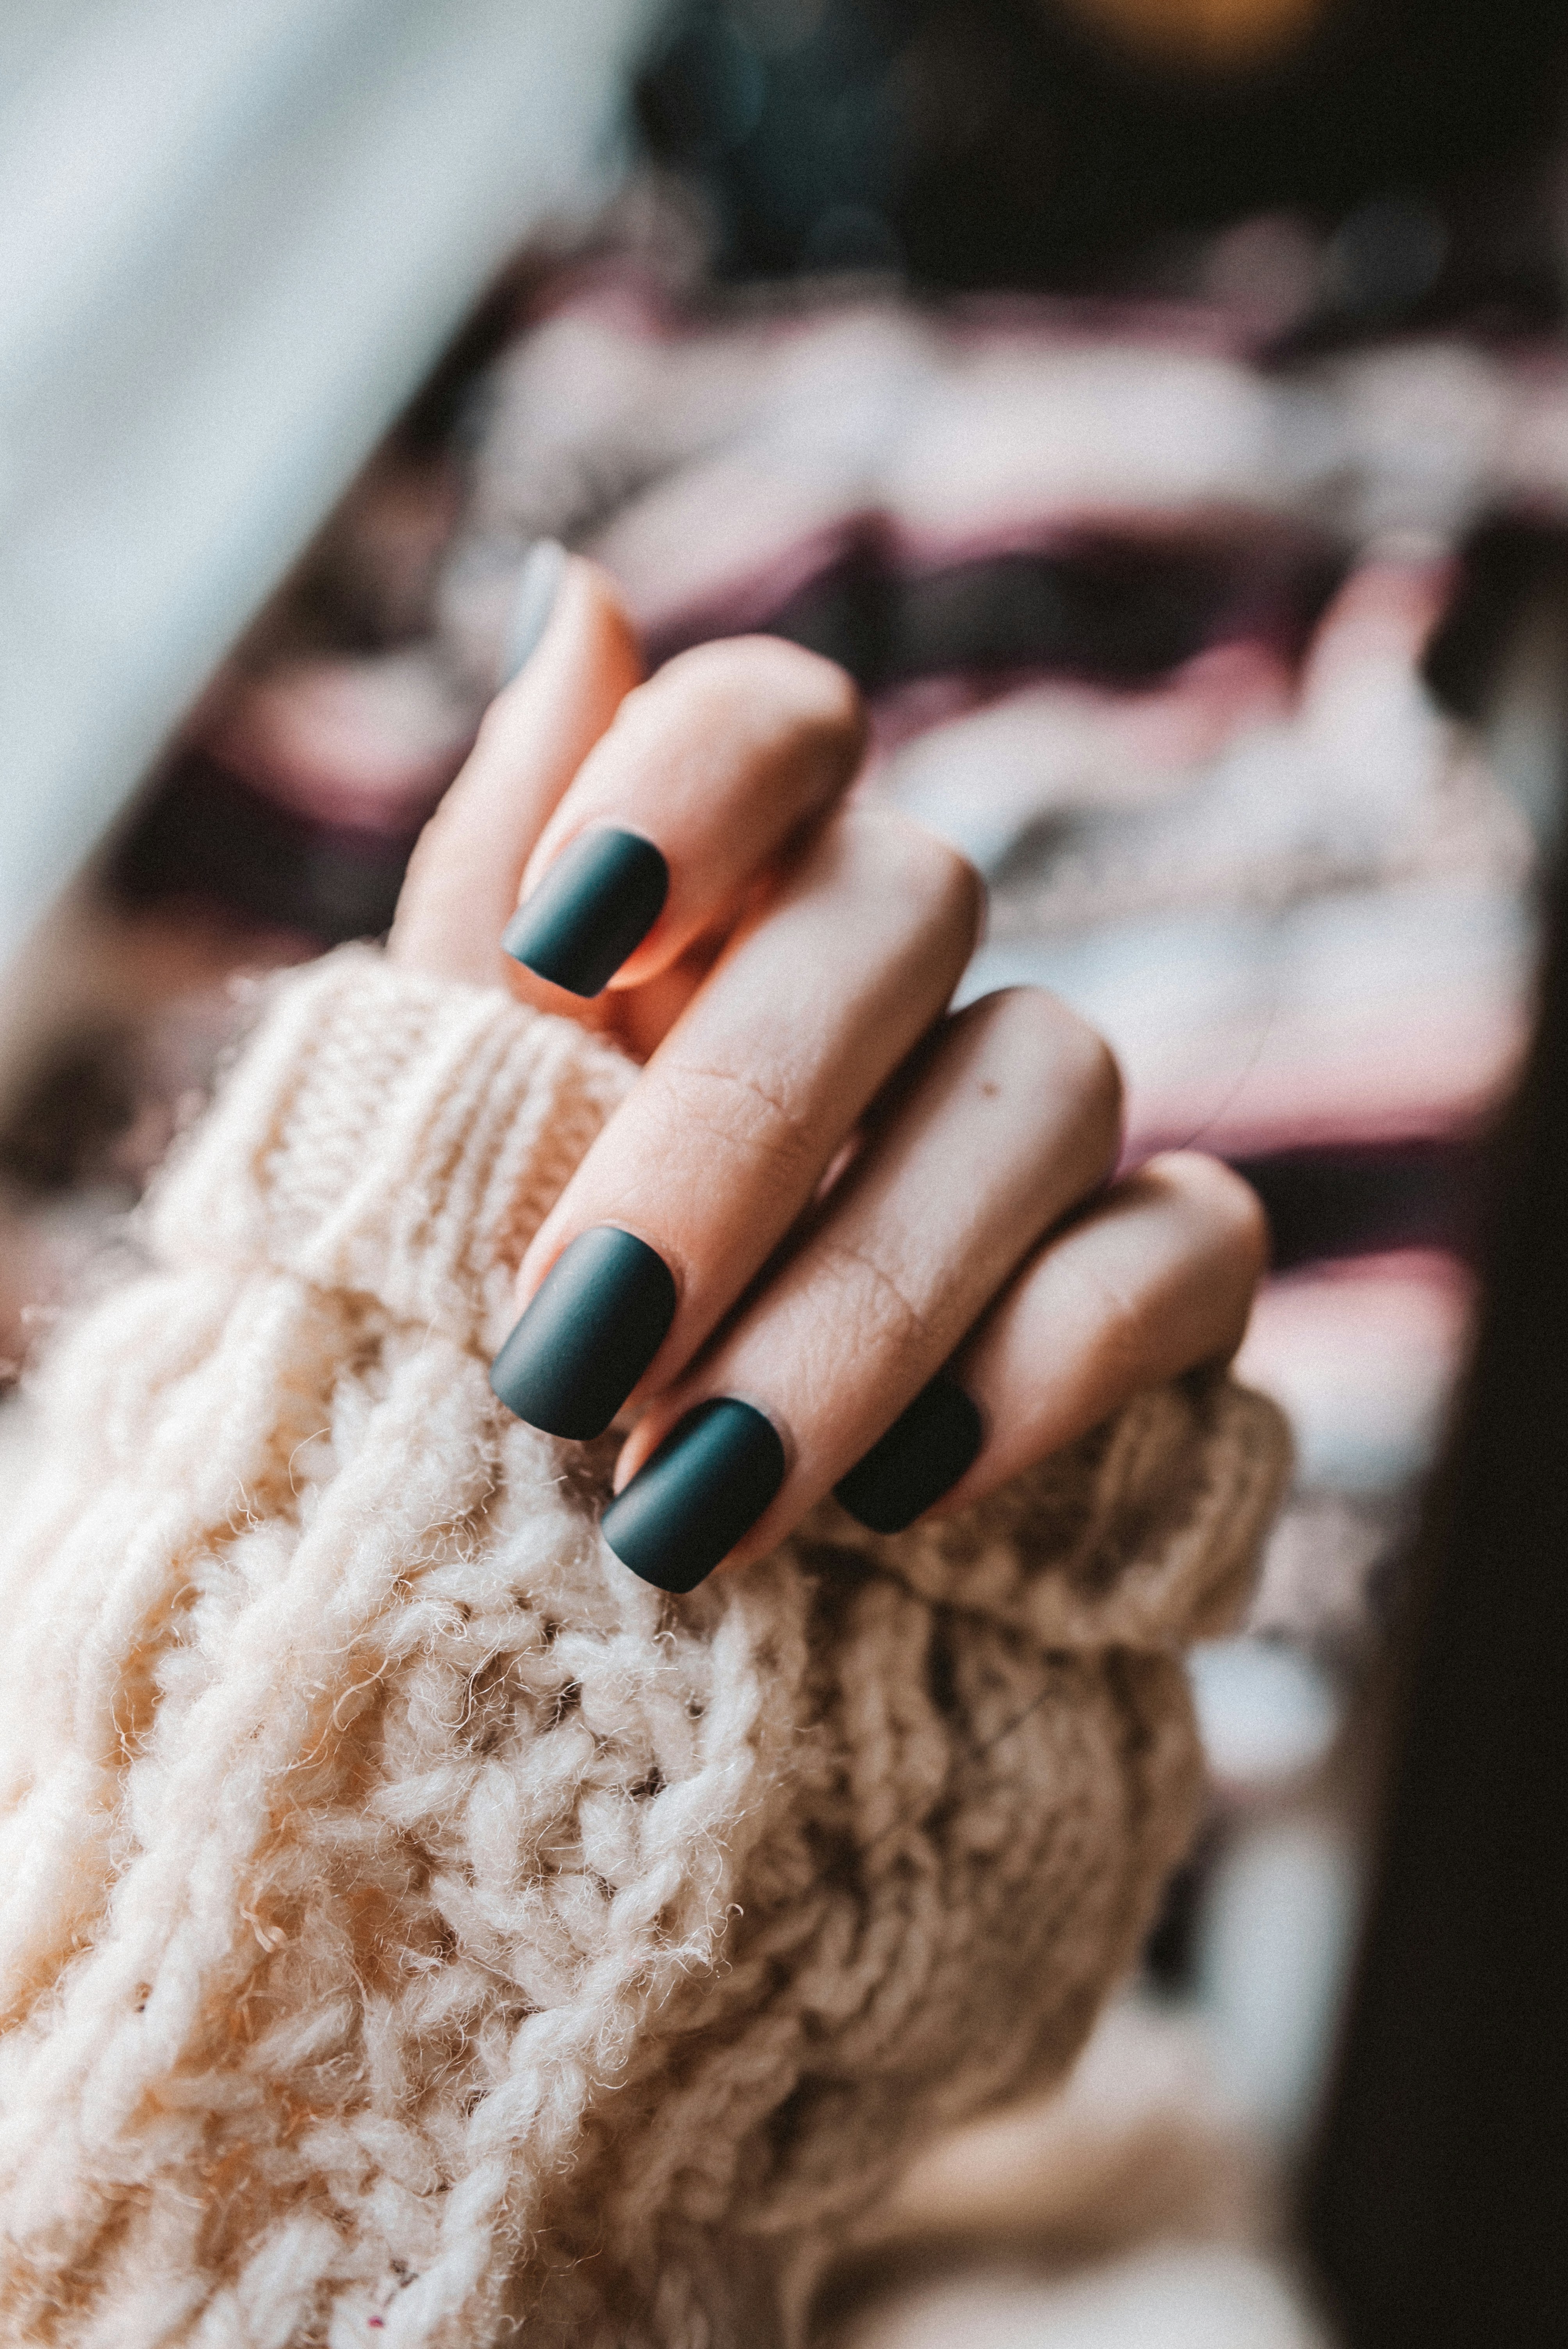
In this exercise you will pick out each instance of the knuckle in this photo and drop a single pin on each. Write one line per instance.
(953, 889)
(1064, 1055)
(1127, 1332)
(870, 1300)
(921, 871)
(1228, 1207)
(825, 694)
(1119, 1315)
(1114, 1319)
(800, 693)
(1093, 1075)
(748, 1115)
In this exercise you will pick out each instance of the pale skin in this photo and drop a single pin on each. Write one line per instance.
(851, 1186)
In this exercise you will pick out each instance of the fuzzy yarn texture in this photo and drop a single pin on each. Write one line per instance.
(415, 1929)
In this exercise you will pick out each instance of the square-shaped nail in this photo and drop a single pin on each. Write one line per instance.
(592, 1328)
(593, 908)
(923, 1454)
(705, 1486)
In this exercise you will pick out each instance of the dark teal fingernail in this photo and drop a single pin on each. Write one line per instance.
(923, 1454)
(537, 585)
(598, 902)
(591, 1329)
(705, 1486)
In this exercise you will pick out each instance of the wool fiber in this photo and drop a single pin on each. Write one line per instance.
(414, 1929)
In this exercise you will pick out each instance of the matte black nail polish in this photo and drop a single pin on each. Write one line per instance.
(537, 585)
(591, 1329)
(598, 901)
(923, 1456)
(705, 1486)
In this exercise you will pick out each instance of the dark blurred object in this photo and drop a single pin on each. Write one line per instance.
(1364, 1199)
(1499, 658)
(1435, 2212)
(1203, 36)
(1507, 566)
(63, 1126)
(1112, 610)
(301, 782)
(212, 835)
(989, 143)
(300, 789)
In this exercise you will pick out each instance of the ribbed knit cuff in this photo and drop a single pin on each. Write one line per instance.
(392, 1134)
(1144, 1535)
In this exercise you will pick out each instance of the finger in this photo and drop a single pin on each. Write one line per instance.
(1155, 1278)
(1012, 1119)
(461, 886)
(708, 772)
(727, 1133)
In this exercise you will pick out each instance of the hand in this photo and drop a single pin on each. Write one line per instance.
(837, 1235)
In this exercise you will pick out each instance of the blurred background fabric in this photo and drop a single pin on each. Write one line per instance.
(1162, 411)
(234, 234)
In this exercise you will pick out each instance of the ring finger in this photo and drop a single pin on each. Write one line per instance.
(1006, 1121)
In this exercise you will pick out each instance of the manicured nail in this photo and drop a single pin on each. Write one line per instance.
(598, 902)
(705, 1486)
(592, 1328)
(923, 1454)
(537, 585)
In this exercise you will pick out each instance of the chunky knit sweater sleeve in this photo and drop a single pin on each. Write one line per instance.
(412, 1927)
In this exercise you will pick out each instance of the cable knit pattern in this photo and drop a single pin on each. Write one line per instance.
(413, 1929)
(395, 1136)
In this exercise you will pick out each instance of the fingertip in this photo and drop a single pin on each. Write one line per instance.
(569, 616)
(462, 885)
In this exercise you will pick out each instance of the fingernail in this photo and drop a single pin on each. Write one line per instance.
(537, 585)
(598, 902)
(923, 1454)
(591, 1329)
(705, 1486)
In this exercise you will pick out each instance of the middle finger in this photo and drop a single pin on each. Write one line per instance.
(737, 1118)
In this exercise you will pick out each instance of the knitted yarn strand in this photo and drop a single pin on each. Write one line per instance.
(413, 1927)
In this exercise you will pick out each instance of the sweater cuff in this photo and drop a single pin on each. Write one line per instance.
(391, 1134)
(1144, 1535)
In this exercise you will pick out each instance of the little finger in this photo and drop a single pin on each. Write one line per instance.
(1153, 1279)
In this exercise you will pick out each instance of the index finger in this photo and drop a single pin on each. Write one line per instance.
(461, 886)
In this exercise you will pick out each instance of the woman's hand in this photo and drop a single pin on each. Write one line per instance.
(837, 1236)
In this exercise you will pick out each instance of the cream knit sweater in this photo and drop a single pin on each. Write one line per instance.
(414, 1928)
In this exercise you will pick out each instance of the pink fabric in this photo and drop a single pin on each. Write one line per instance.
(1140, 626)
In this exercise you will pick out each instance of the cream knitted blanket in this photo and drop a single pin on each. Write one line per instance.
(412, 1927)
